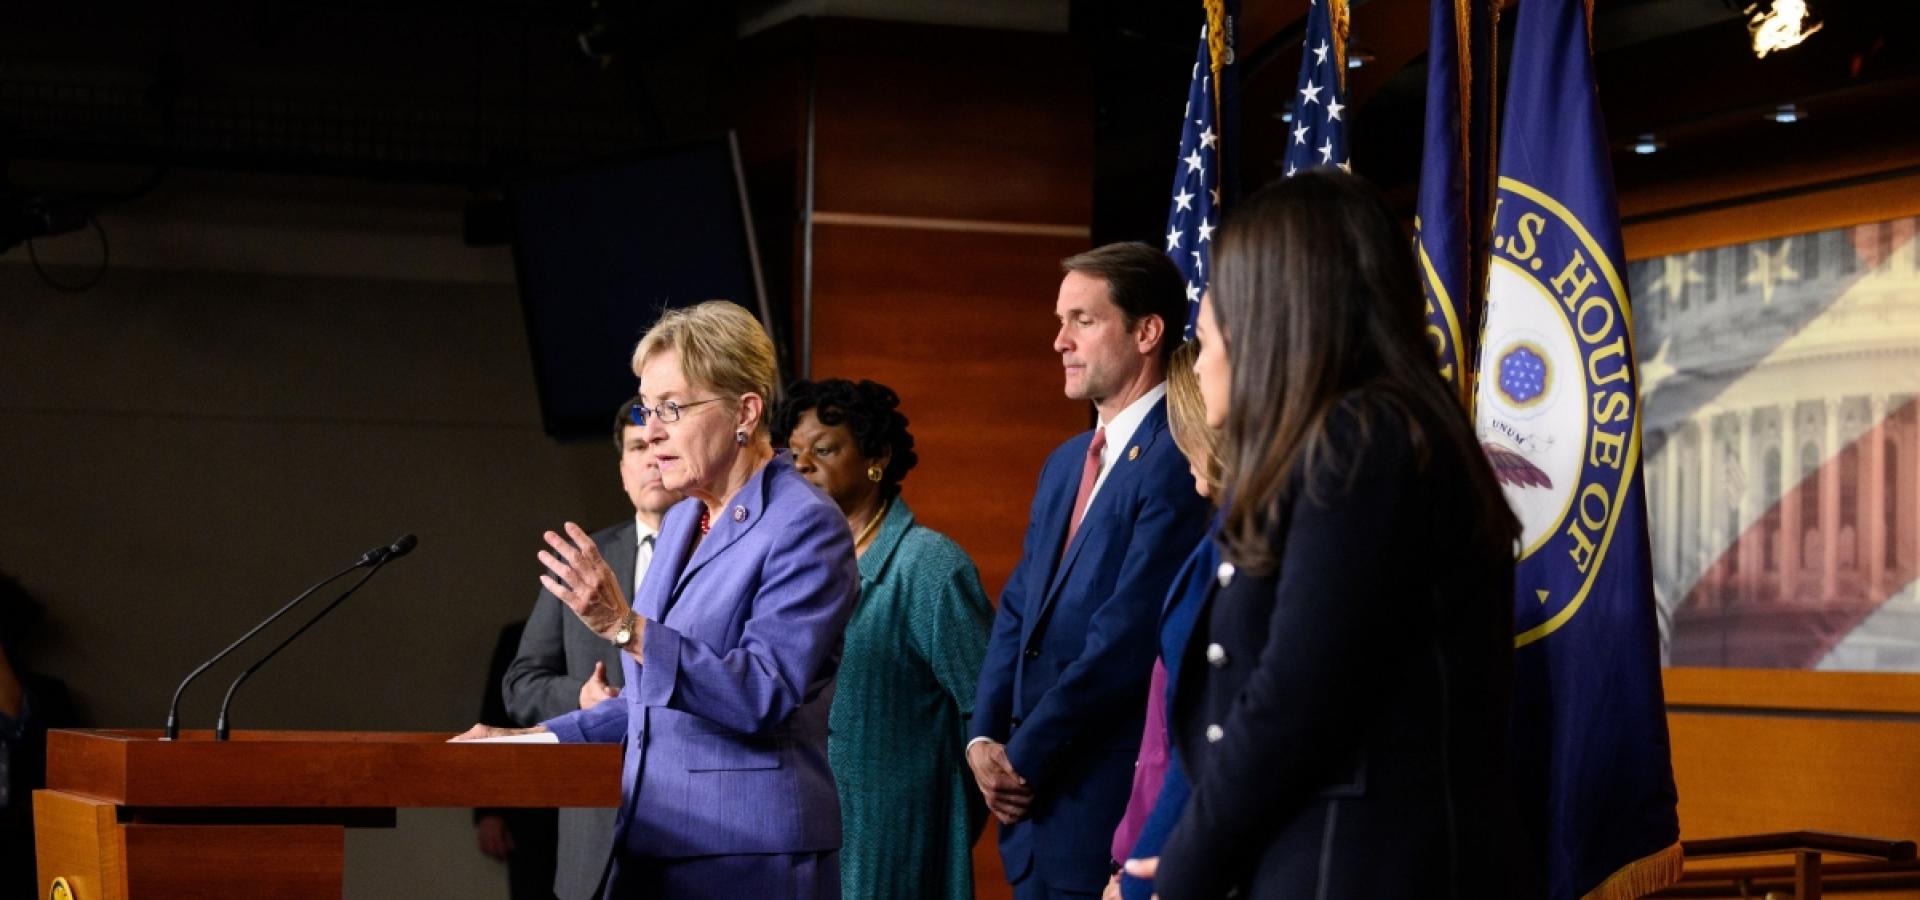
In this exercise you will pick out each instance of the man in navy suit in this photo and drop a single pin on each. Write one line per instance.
(1063, 692)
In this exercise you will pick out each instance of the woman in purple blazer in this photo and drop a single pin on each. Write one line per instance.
(732, 643)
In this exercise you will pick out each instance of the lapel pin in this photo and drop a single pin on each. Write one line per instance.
(739, 514)
(1133, 453)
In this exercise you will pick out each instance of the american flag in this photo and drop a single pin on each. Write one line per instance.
(1194, 212)
(1319, 122)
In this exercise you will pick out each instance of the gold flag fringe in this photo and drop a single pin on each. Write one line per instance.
(1218, 47)
(1641, 877)
(1342, 22)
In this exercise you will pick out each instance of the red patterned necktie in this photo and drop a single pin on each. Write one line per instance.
(1089, 476)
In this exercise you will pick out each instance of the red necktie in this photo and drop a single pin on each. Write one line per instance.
(1089, 476)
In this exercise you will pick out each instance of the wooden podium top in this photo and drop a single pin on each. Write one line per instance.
(327, 769)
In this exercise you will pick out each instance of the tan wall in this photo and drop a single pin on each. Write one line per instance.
(1759, 751)
(274, 377)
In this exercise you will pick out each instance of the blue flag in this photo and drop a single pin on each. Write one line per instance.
(1558, 412)
(1318, 130)
(1456, 168)
(1198, 176)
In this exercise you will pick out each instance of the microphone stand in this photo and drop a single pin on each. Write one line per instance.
(371, 557)
(386, 555)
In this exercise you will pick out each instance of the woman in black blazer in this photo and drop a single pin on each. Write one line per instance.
(1343, 700)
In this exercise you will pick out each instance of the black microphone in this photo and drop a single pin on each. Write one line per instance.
(370, 558)
(380, 556)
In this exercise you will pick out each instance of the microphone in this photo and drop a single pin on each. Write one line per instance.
(370, 558)
(381, 556)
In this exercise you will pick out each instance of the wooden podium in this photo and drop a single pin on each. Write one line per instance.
(128, 816)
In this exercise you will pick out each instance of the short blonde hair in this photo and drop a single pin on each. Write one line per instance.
(1187, 418)
(721, 347)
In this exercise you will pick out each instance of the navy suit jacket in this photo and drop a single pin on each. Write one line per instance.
(1347, 738)
(1065, 680)
(725, 726)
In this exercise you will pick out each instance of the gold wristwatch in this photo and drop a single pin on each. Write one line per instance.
(624, 635)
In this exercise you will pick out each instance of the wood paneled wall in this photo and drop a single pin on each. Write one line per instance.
(950, 171)
(960, 325)
(1758, 751)
(928, 181)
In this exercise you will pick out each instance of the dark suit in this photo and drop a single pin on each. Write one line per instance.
(1064, 685)
(531, 862)
(1343, 720)
(557, 653)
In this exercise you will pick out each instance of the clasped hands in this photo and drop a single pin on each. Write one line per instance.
(1008, 796)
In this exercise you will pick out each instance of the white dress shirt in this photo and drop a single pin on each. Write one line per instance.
(1120, 434)
(643, 554)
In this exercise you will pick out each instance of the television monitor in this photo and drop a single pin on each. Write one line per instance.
(600, 250)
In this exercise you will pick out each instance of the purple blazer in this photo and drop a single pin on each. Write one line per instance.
(725, 726)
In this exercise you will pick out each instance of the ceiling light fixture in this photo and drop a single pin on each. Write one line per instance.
(1647, 144)
(1781, 26)
(1787, 113)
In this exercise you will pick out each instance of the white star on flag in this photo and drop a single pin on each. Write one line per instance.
(1317, 137)
(1194, 204)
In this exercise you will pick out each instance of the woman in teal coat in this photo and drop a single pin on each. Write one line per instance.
(913, 652)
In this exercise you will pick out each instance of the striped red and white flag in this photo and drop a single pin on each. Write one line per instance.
(1783, 448)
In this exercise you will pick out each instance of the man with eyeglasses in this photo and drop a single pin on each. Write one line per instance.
(563, 666)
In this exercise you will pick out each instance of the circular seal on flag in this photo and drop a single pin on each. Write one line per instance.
(1524, 374)
(1557, 411)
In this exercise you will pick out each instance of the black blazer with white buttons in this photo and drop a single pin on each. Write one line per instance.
(1344, 719)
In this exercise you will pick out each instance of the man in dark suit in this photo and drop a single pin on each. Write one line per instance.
(562, 666)
(1063, 692)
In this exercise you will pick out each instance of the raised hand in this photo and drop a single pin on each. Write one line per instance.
(583, 581)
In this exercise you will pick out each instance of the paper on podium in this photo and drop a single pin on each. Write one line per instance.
(538, 737)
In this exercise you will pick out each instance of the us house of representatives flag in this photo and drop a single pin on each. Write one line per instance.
(1456, 179)
(1558, 411)
(1201, 173)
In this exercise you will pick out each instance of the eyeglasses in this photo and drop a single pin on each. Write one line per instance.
(669, 412)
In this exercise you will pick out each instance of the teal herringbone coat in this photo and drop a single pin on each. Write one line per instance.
(897, 740)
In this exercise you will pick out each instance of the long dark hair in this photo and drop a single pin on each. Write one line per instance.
(1316, 295)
